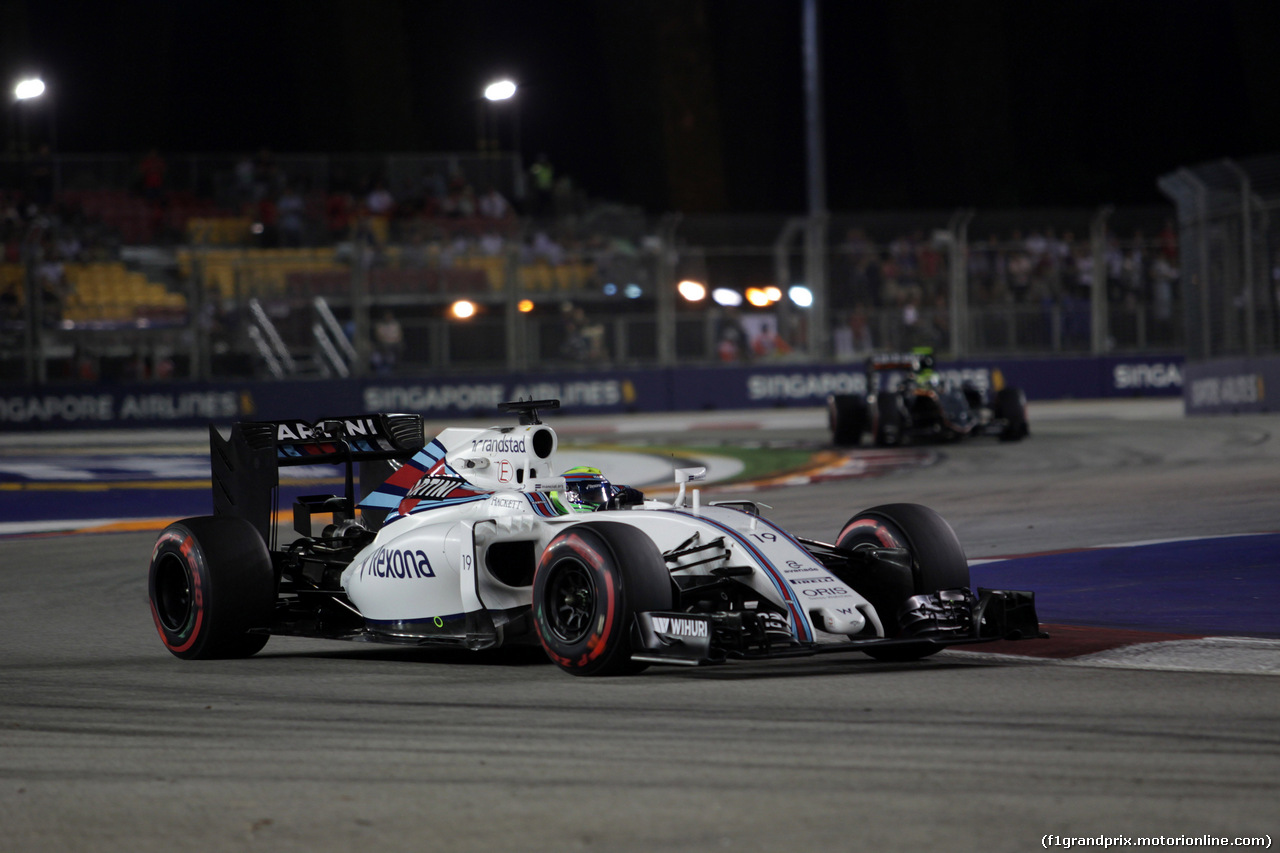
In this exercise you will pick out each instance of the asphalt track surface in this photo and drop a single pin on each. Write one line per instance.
(109, 743)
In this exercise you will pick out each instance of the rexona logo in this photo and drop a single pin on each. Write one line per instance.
(680, 627)
(394, 563)
(1128, 376)
(498, 445)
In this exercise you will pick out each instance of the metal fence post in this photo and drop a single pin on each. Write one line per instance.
(958, 280)
(517, 357)
(1098, 313)
(1246, 245)
(664, 267)
(360, 304)
(815, 264)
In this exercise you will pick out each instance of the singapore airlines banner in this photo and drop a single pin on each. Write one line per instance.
(738, 386)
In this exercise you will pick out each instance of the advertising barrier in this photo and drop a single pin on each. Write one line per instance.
(739, 386)
(1231, 386)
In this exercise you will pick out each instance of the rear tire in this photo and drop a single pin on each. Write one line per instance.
(590, 582)
(847, 415)
(1011, 406)
(937, 562)
(210, 583)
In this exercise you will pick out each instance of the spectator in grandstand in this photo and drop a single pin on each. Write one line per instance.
(732, 342)
(291, 211)
(266, 223)
(768, 343)
(388, 343)
(1164, 284)
(1020, 265)
(460, 200)
(244, 187)
(151, 176)
(491, 244)
(54, 288)
(1135, 271)
(267, 178)
(42, 177)
(545, 248)
(492, 204)
(379, 201)
(11, 303)
(338, 208)
(543, 177)
(1169, 242)
(583, 340)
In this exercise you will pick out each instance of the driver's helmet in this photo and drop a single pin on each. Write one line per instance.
(585, 490)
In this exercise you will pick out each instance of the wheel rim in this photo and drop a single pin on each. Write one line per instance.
(173, 592)
(570, 601)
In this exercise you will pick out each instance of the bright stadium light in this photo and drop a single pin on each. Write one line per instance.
(524, 306)
(32, 87)
(773, 292)
(758, 297)
(800, 295)
(726, 296)
(692, 291)
(500, 90)
(463, 309)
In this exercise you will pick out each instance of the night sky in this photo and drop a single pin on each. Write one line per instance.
(693, 105)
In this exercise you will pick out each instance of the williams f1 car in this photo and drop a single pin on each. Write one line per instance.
(472, 540)
(907, 400)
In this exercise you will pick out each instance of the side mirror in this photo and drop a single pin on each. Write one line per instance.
(685, 475)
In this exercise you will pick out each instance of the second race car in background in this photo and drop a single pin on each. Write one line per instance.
(907, 400)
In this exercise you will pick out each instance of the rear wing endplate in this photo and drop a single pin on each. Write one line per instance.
(246, 466)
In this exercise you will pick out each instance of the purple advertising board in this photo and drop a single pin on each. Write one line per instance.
(738, 386)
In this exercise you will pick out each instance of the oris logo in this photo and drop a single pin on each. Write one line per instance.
(822, 591)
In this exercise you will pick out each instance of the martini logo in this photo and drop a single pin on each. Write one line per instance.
(303, 431)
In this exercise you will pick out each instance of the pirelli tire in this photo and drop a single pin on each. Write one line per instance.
(848, 416)
(212, 588)
(590, 582)
(1010, 406)
(937, 563)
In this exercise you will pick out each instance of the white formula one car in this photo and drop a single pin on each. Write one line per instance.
(474, 540)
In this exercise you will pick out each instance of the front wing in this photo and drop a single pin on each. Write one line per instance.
(945, 618)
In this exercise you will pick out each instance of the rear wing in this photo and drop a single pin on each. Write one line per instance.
(246, 466)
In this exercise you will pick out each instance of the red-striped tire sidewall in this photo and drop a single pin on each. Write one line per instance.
(584, 546)
(176, 542)
(629, 576)
(231, 582)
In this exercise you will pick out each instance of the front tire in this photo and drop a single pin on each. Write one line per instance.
(210, 584)
(937, 562)
(590, 582)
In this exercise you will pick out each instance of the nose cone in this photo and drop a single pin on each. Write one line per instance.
(839, 620)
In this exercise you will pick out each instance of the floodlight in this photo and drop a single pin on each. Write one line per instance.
(500, 90)
(800, 295)
(30, 88)
(692, 290)
(727, 297)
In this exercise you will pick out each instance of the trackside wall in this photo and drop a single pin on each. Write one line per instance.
(691, 389)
